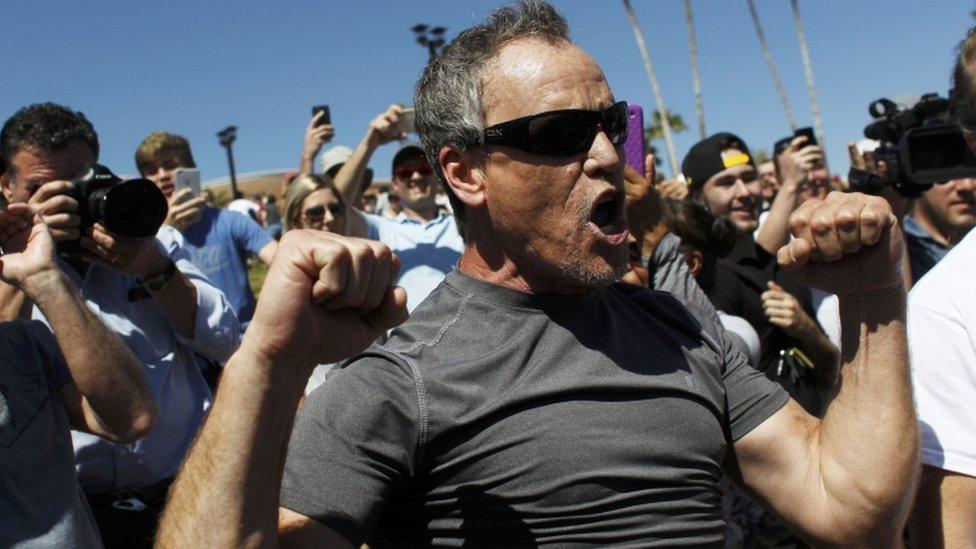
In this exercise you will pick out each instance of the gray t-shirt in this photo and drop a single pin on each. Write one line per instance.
(41, 503)
(494, 417)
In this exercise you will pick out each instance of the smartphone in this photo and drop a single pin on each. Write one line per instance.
(634, 146)
(326, 116)
(781, 146)
(187, 178)
(808, 132)
(405, 124)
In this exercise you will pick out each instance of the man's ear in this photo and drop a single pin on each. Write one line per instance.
(463, 175)
(5, 185)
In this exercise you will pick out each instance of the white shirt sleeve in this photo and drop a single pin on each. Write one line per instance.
(217, 331)
(942, 344)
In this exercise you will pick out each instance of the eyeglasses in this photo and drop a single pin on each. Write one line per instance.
(561, 133)
(337, 209)
(406, 171)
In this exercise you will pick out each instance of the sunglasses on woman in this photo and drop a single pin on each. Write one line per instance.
(561, 133)
(337, 209)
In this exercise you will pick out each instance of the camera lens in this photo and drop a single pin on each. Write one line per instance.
(133, 208)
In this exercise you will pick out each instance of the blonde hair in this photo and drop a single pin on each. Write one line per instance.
(299, 189)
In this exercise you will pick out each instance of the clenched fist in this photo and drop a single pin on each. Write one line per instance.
(326, 298)
(848, 244)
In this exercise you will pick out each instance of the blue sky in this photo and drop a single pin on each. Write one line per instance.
(195, 67)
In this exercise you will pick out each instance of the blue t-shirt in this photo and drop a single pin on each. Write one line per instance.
(219, 244)
(41, 502)
(427, 251)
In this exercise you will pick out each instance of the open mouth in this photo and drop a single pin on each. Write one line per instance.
(608, 216)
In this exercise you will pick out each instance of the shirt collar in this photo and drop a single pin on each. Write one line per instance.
(915, 229)
(403, 219)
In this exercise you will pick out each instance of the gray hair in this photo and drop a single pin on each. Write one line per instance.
(448, 97)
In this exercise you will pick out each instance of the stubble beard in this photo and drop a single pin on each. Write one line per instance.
(582, 270)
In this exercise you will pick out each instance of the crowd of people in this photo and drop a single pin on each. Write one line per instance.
(523, 342)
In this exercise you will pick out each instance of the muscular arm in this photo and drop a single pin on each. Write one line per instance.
(848, 478)
(943, 515)
(227, 491)
(233, 474)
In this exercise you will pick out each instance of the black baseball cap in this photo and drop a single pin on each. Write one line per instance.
(707, 157)
(408, 149)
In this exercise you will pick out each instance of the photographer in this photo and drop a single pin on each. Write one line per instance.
(219, 240)
(97, 387)
(146, 291)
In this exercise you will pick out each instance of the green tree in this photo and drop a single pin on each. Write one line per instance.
(762, 156)
(655, 131)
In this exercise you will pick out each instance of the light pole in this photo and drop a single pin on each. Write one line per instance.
(227, 137)
(431, 38)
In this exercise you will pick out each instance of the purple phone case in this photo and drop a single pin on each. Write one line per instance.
(634, 146)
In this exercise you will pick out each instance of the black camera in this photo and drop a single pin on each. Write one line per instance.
(132, 208)
(920, 145)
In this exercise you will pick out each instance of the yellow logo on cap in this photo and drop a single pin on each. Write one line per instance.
(732, 158)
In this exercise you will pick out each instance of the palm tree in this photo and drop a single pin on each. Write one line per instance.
(772, 66)
(695, 74)
(808, 71)
(658, 98)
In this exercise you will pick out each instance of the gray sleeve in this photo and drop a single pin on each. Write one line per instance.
(751, 397)
(672, 275)
(354, 445)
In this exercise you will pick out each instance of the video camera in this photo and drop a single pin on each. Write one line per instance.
(133, 208)
(919, 145)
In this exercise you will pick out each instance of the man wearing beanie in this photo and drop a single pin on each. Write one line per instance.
(749, 283)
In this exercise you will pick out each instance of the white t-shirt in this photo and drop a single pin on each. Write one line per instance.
(741, 327)
(942, 342)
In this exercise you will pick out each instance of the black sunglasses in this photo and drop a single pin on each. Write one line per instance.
(561, 133)
(336, 209)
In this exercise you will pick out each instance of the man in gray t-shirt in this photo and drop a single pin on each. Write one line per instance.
(530, 400)
(496, 416)
(95, 385)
